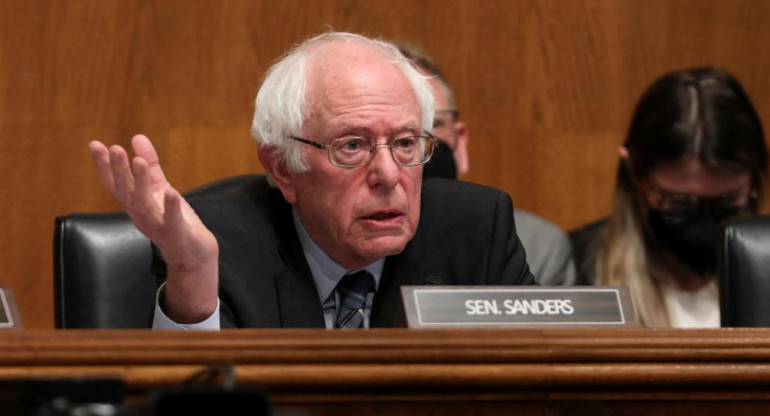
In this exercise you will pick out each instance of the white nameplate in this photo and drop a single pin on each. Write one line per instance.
(9, 316)
(516, 306)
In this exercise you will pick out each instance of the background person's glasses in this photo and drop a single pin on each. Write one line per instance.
(689, 207)
(444, 118)
(443, 121)
(354, 151)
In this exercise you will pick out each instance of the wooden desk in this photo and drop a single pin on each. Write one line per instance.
(402, 372)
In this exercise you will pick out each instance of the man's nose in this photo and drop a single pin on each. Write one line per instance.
(383, 169)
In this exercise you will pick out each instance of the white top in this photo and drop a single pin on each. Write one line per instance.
(698, 309)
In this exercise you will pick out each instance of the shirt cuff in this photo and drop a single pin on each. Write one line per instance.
(161, 321)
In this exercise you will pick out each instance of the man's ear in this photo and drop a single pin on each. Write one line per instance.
(461, 148)
(279, 172)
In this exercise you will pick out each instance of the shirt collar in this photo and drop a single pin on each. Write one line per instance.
(326, 272)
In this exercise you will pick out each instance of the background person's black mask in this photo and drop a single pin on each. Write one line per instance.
(693, 241)
(441, 164)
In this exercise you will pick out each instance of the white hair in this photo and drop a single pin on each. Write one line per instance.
(280, 104)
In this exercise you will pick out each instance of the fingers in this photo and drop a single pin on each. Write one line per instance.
(119, 177)
(144, 149)
(100, 156)
(122, 177)
(140, 186)
(114, 172)
(129, 183)
(143, 203)
(172, 212)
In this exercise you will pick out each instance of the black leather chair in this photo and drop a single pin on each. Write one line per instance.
(102, 267)
(743, 269)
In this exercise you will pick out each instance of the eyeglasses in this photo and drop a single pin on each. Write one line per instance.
(723, 206)
(354, 151)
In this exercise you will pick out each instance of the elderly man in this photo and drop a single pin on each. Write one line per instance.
(345, 221)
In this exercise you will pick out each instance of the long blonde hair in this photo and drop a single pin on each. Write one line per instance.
(623, 260)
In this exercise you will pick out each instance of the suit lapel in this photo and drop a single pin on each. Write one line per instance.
(298, 301)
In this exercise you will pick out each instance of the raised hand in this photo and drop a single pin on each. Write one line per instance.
(160, 213)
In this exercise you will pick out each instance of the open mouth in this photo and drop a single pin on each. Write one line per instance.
(382, 216)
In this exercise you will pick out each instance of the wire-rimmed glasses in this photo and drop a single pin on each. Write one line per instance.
(355, 151)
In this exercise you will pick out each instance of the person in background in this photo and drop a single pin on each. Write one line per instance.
(695, 156)
(549, 251)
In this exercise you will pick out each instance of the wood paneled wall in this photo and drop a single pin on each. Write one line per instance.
(546, 86)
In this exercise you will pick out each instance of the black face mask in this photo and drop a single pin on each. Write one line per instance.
(441, 164)
(693, 239)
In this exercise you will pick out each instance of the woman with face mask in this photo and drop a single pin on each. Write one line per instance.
(695, 156)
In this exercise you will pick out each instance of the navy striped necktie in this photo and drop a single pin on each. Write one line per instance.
(352, 291)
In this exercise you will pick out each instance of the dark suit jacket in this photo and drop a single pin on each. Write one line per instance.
(465, 236)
